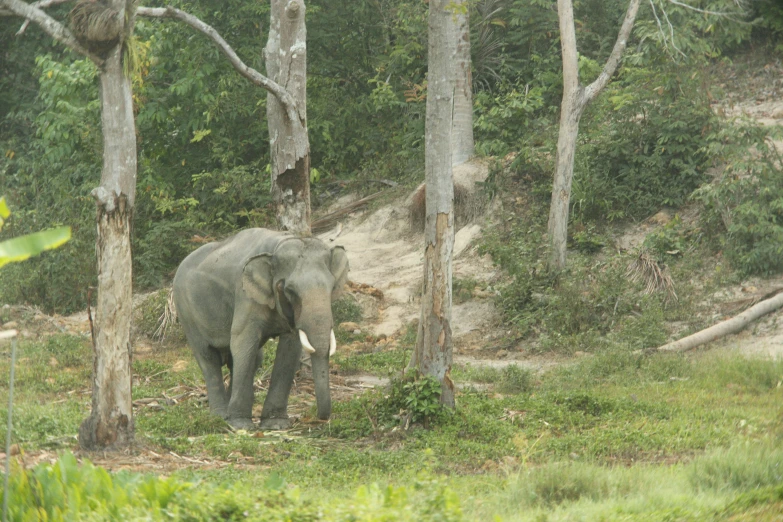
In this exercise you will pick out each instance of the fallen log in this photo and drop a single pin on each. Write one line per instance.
(729, 326)
(320, 225)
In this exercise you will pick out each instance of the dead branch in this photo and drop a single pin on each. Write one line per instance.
(167, 318)
(328, 220)
(655, 279)
(50, 26)
(729, 326)
(248, 72)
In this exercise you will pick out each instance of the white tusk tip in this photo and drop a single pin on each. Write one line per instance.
(306, 342)
(332, 344)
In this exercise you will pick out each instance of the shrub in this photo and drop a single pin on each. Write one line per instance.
(743, 207)
(644, 145)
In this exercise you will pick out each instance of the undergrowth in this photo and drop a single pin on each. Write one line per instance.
(599, 432)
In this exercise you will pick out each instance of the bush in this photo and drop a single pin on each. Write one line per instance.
(644, 145)
(743, 207)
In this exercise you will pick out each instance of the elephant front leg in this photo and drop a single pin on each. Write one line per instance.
(274, 415)
(244, 356)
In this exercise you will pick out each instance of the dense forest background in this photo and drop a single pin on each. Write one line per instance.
(649, 141)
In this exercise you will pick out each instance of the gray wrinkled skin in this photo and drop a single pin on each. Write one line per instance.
(234, 295)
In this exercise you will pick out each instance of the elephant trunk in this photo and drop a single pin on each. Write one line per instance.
(315, 326)
(320, 365)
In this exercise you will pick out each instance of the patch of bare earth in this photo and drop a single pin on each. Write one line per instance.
(386, 254)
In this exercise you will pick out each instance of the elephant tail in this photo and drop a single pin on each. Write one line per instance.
(167, 318)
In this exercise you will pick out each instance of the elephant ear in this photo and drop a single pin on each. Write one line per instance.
(257, 280)
(339, 268)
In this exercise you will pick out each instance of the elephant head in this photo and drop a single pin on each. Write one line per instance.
(299, 281)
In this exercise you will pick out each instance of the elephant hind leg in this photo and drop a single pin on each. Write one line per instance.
(211, 363)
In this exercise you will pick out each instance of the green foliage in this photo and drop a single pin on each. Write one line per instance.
(408, 400)
(24, 247)
(769, 19)
(46, 174)
(743, 207)
(587, 241)
(421, 398)
(346, 309)
(589, 306)
(67, 490)
(672, 240)
(384, 363)
(462, 289)
(509, 379)
(644, 145)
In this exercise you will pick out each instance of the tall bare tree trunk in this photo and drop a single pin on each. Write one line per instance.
(433, 353)
(286, 64)
(575, 99)
(110, 424)
(462, 146)
(571, 110)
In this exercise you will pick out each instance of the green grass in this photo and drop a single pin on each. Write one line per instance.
(614, 436)
(382, 363)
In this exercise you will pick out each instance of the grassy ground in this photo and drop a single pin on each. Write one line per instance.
(614, 436)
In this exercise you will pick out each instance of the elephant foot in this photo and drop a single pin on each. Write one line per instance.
(275, 424)
(242, 424)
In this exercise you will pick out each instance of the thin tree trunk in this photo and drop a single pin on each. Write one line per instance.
(729, 326)
(575, 99)
(110, 424)
(286, 64)
(462, 126)
(433, 353)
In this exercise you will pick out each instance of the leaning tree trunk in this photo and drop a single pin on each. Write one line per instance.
(575, 99)
(286, 64)
(110, 425)
(433, 353)
(462, 146)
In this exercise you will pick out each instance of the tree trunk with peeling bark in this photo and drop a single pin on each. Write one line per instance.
(110, 424)
(286, 64)
(575, 99)
(462, 127)
(433, 353)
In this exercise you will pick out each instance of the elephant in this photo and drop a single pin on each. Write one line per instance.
(232, 296)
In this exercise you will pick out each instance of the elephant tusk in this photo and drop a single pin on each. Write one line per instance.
(306, 342)
(332, 344)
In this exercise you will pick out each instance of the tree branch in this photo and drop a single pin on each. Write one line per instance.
(703, 11)
(41, 4)
(50, 26)
(565, 10)
(248, 72)
(594, 88)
